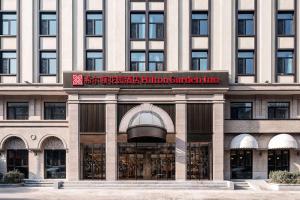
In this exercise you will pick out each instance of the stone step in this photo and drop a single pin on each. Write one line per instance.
(242, 186)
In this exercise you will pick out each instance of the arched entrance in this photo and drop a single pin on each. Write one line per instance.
(16, 155)
(147, 152)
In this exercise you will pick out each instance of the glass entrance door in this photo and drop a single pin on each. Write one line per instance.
(146, 161)
(198, 161)
(241, 164)
(93, 163)
(278, 160)
(17, 160)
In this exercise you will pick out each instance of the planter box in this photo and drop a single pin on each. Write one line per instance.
(284, 187)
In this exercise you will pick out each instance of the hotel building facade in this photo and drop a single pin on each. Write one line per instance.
(149, 89)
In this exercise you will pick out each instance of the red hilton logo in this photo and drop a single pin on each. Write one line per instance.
(77, 79)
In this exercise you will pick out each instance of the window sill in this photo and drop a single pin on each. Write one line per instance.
(246, 75)
(47, 74)
(98, 36)
(9, 36)
(48, 36)
(8, 74)
(201, 36)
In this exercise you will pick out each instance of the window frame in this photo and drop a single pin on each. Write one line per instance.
(240, 102)
(15, 115)
(277, 63)
(148, 23)
(145, 24)
(86, 60)
(101, 20)
(2, 21)
(207, 58)
(289, 110)
(16, 60)
(48, 24)
(277, 23)
(245, 67)
(254, 23)
(147, 60)
(156, 62)
(208, 23)
(56, 102)
(48, 67)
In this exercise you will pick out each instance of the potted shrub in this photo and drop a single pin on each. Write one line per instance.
(13, 177)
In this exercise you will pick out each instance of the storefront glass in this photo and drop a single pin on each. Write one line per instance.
(55, 164)
(17, 160)
(241, 164)
(278, 160)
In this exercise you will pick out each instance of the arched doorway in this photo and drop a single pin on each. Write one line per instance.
(16, 155)
(54, 158)
(147, 152)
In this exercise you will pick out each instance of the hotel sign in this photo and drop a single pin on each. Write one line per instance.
(145, 80)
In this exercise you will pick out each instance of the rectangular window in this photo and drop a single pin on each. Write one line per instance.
(48, 63)
(17, 110)
(55, 110)
(241, 110)
(285, 24)
(156, 61)
(156, 26)
(94, 61)
(246, 24)
(48, 24)
(200, 24)
(200, 60)
(55, 164)
(245, 63)
(278, 110)
(137, 61)
(94, 24)
(8, 63)
(8, 24)
(285, 62)
(137, 26)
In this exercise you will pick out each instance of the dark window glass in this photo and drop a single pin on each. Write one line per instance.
(245, 24)
(285, 62)
(8, 24)
(241, 110)
(48, 24)
(17, 160)
(245, 63)
(48, 63)
(55, 164)
(8, 63)
(94, 24)
(156, 61)
(55, 110)
(241, 164)
(94, 61)
(137, 61)
(137, 26)
(200, 60)
(285, 24)
(17, 110)
(200, 24)
(278, 110)
(156, 26)
(278, 160)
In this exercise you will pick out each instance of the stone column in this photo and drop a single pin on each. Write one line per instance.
(218, 141)
(260, 164)
(73, 158)
(35, 165)
(111, 138)
(181, 137)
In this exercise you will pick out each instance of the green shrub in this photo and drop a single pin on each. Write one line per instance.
(285, 177)
(13, 177)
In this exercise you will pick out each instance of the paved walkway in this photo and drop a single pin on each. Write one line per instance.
(21, 193)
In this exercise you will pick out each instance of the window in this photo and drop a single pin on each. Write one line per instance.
(48, 63)
(48, 24)
(55, 110)
(17, 110)
(94, 61)
(156, 26)
(200, 60)
(137, 61)
(138, 26)
(94, 24)
(245, 24)
(285, 62)
(285, 24)
(17, 159)
(156, 61)
(241, 110)
(200, 24)
(278, 160)
(55, 164)
(8, 63)
(245, 63)
(8, 24)
(278, 110)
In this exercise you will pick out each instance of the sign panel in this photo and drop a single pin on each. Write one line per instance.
(146, 80)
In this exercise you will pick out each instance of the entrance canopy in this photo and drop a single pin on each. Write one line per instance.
(283, 141)
(244, 141)
(146, 126)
